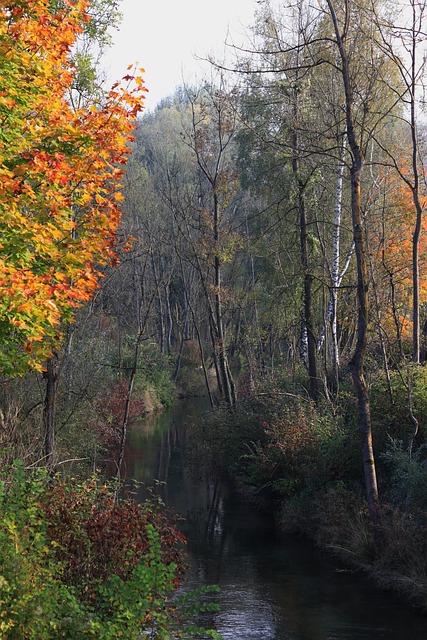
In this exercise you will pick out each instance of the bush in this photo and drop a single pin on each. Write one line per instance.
(279, 444)
(392, 419)
(95, 535)
(76, 564)
(407, 481)
(34, 602)
(296, 455)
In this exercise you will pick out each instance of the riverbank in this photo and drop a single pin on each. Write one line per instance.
(282, 450)
(273, 585)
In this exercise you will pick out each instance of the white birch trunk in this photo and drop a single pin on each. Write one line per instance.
(336, 274)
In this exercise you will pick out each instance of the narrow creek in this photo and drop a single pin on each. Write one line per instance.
(274, 586)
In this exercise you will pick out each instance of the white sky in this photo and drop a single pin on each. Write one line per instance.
(163, 36)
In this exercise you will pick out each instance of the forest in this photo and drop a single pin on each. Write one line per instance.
(258, 238)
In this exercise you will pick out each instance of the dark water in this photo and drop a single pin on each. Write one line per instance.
(273, 586)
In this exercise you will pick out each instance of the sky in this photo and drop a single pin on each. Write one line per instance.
(164, 36)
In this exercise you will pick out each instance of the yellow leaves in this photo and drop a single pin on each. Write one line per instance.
(5, 173)
(19, 323)
(51, 305)
(85, 198)
(55, 233)
(53, 314)
(59, 173)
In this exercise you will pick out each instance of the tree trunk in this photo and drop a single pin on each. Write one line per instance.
(131, 382)
(220, 347)
(307, 333)
(416, 280)
(357, 361)
(329, 309)
(415, 192)
(169, 323)
(160, 314)
(51, 377)
(335, 275)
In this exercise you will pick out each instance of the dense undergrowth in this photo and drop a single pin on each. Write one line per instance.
(76, 562)
(90, 396)
(77, 558)
(280, 447)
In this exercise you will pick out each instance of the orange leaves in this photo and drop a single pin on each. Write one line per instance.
(393, 242)
(59, 173)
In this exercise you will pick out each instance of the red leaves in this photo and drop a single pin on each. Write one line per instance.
(96, 536)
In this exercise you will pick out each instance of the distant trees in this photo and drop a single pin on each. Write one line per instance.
(210, 138)
(195, 182)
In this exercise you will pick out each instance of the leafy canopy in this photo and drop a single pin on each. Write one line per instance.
(60, 171)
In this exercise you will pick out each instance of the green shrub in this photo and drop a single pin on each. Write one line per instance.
(392, 419)
(407, 477)
(75, 564)
(34, 602)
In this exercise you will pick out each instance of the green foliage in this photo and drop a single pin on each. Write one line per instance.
(392, 418)
(86, 79)
(34, 602)
(407, 485)
(140, 600)
(105, 16)
(65, 573)
(154, 371)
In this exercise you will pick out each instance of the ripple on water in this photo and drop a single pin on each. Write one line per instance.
(245, 615)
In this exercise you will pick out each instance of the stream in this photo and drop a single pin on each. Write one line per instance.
(274, 586)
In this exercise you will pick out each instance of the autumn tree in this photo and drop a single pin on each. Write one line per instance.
(60, 173)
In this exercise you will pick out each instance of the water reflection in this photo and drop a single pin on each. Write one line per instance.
(273, 586)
